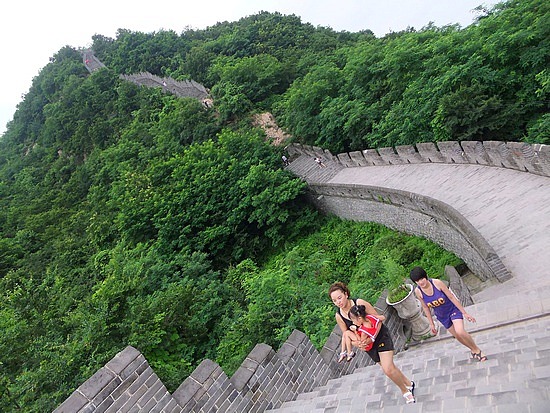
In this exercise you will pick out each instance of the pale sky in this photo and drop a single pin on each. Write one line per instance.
(32, 31)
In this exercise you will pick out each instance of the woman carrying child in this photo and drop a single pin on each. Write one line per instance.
(340, 296)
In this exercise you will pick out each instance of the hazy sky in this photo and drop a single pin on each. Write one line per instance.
(32, 31)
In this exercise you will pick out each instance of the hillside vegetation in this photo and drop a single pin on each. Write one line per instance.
(132, 217)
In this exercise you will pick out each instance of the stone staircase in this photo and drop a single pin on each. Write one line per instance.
(513, 325)
(306, 167)
(516, 378)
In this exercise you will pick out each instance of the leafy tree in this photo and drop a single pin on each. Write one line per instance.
(130, 216)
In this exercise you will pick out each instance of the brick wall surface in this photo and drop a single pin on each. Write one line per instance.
(264, 380)
(126, 383)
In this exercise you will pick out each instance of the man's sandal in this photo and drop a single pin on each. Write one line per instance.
(342, 357)
(478, 356)
(409, 397)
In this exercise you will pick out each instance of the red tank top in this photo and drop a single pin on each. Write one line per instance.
(369, 331)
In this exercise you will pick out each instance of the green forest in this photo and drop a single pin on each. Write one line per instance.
(133, 217)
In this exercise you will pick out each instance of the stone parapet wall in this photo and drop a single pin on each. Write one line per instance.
(532, 158)
(126, 383)
(458, 286)
(413, 214)
(265, 379)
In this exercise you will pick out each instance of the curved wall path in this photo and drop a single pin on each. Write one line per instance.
(510, 208)
(499, 212)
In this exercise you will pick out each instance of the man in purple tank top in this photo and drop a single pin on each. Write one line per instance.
(434, 295)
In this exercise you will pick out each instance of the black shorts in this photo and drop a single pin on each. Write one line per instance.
(382, 343)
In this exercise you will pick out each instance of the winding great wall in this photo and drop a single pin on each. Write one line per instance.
(489, 202)
(179, 88)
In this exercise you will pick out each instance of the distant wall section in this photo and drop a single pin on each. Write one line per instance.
(180, 88)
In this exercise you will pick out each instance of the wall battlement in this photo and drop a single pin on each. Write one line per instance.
(520, 156)
(265, 379)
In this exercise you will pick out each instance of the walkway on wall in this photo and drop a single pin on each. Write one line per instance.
(511, 209)
(515, 378)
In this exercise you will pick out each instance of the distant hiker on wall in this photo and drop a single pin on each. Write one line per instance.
(285, 160)
(434, 295)
(320, 162)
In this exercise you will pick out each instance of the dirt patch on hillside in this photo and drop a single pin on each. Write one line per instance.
(267, 122)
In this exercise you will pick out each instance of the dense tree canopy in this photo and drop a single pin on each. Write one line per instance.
(130, 216)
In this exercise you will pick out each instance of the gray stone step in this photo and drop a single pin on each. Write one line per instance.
(307, 168)
(516, 378)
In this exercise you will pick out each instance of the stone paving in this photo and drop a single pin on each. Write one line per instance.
(516, 378)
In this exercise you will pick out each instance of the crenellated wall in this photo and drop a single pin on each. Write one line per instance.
(265, 379)
(532, 158)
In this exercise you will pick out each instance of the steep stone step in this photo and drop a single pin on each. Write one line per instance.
(306, 168)
(516, 377)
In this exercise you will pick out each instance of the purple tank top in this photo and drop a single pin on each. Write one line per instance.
(440, 303)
